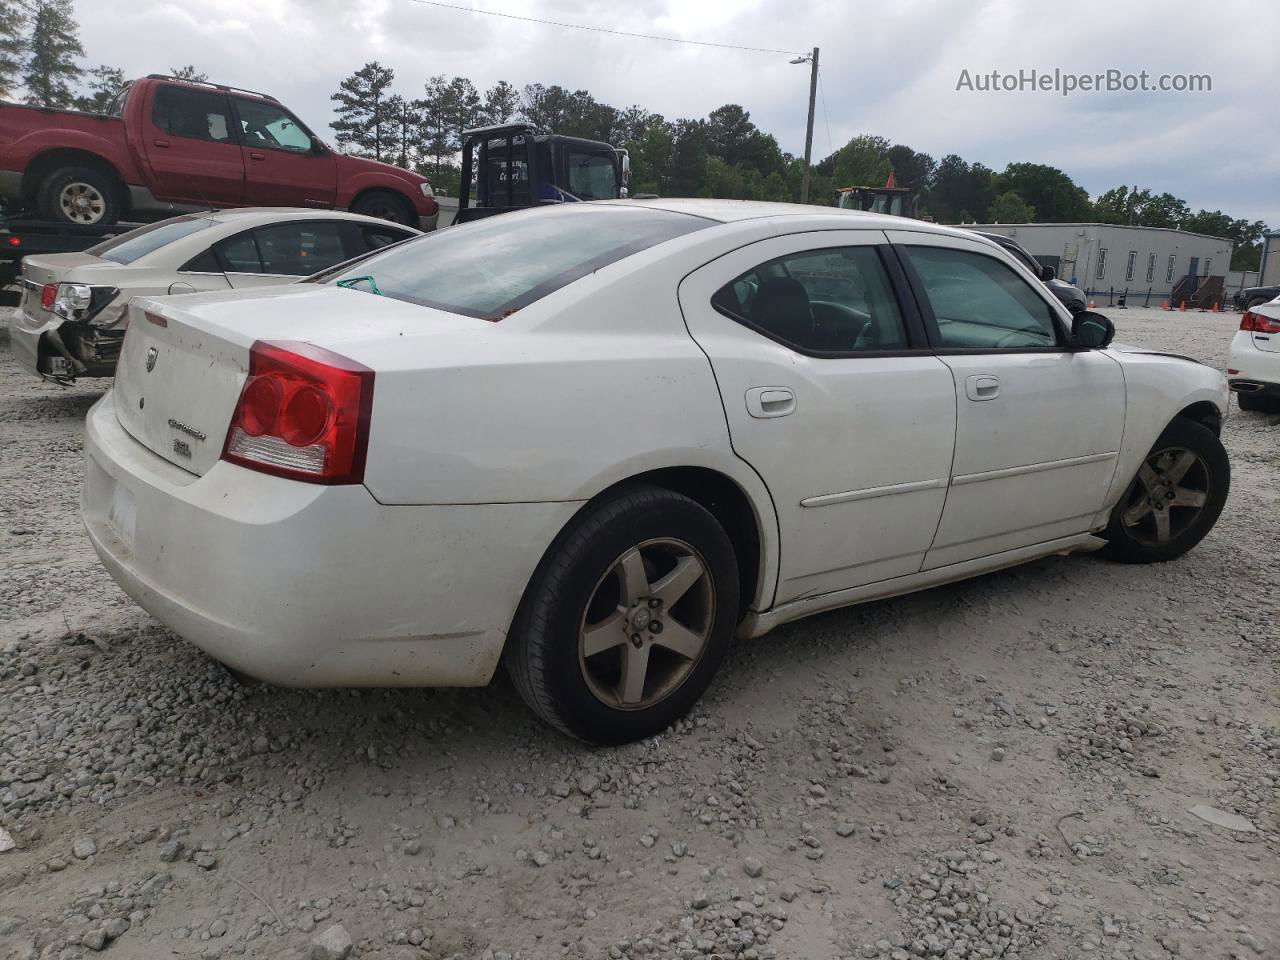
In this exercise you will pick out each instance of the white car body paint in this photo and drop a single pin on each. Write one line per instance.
(487, 438)
(1255, 356)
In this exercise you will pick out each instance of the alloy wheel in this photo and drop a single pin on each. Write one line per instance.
(647, 624)
(82, 203)
(1166, 499)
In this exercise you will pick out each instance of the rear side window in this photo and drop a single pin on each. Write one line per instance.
(831, 301)
(375, 238)
(192, 113)
(980, 303)
(296, 249)
(493, 267)
(239, 254)
(135, 244)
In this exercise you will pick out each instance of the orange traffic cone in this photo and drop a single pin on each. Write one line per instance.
(1182, 306)
(1215, 306)
(1165, 305)
(1093, 304)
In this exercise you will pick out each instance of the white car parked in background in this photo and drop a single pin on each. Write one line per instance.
(1253, 362)
(71, 318)
(599, 439)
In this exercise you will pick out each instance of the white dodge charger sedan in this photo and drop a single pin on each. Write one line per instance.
(598, 441)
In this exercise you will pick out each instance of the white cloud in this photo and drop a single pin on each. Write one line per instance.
(888, 69)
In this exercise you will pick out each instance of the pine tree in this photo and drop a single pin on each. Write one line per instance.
(104, 83)
(405, 123)
(363, 119)
(13, 20)
(501, 102)
(54, 45)
(188, 73)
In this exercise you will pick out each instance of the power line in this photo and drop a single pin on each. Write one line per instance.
(825, 119)
(616, 33)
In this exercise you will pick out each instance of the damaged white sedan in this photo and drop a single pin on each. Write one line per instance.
(598, 440)
(72, 315)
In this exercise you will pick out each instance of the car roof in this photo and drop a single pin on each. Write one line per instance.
(732, 211)
(252, 216)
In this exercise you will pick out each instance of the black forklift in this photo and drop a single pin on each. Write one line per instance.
(895, 201)
(515, 166)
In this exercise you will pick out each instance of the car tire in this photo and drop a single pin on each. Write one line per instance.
(1174, 500)
(386, 205)
(1255, 403)
(585, 631)
(83, 196)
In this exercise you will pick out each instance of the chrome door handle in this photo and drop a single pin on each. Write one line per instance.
(257, 156)
(766, 402)
(160, 143)
(981, 386)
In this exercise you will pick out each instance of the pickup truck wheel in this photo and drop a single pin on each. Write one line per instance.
(83, 196)
(386, 205)
(1174, 500)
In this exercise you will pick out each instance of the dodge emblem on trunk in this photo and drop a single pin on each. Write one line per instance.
(152, 353)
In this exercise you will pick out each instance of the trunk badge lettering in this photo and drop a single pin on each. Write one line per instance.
(152, 353)
(182, 448)
(189, 431)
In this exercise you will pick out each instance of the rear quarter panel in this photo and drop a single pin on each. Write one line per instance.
(27, 132)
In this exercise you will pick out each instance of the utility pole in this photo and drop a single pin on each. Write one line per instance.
(808, 133)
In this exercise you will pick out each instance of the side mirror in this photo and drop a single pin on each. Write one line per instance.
(318, 147)
(1048, 273)
(1091, 331)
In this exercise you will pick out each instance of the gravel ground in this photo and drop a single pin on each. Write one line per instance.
(1000, 768)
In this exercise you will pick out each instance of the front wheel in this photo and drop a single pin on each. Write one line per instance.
(386, 205)
(627, 619)
(1174, 500)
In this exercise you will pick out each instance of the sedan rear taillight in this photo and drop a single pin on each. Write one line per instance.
(303, 414)
(1257, 323)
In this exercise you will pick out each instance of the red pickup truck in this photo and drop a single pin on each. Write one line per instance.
(169, 146)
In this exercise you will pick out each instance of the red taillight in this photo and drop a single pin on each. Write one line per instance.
(15, 241)
(303, 414)
(1257, 323)
(48, 295)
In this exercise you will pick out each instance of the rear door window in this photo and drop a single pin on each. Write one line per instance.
(239, 254)
(301, 248)
(836, 300)
(192, 113)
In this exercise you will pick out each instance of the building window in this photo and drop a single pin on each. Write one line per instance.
(1168, 277)
(1208, 268)
(1102, 263)
(1151, 268)
(1129, 267)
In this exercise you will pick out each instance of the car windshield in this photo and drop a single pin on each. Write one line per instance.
(135, 244)
(493, 267)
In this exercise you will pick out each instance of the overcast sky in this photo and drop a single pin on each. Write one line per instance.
(888, 68)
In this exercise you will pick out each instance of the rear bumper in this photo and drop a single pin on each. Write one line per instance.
(307, 585)
(1251, 370)
(10, 184)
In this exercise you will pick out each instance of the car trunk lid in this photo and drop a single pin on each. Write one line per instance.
(185, 359)
(1266, 330)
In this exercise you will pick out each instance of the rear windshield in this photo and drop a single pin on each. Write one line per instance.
(493, 267)
(128, 247)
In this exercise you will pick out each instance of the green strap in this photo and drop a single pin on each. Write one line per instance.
(350, 283)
